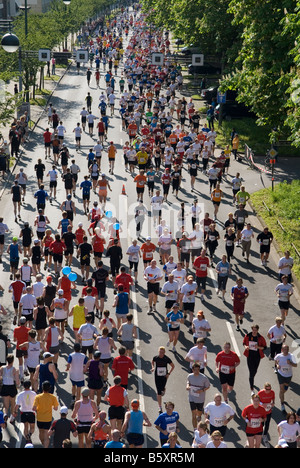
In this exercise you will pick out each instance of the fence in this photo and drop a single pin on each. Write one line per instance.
(249, 157)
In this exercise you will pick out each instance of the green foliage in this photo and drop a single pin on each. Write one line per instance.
(284, 206)
(258, 45)
(8, 107)
(46, 30)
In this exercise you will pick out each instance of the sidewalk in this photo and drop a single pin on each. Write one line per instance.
(36, 112)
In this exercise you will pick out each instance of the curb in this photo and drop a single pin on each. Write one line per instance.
(32, 130)
(275, 246)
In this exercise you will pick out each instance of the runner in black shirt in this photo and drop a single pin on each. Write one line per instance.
(160, 365)
(69, 239)
(101, 276)
(84, 252)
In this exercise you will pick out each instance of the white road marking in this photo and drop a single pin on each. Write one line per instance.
(140, 391)
(228, 324)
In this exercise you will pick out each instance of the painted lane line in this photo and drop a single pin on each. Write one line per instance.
(123, 204)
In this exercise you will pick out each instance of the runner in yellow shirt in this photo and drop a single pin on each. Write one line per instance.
(79, 313)
(216, 196)
(112, 151)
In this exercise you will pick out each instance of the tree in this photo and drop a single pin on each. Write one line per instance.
(263, 64)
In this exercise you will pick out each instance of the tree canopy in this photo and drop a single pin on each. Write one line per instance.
(258, 45)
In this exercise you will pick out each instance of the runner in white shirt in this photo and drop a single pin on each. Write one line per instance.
(284, 363)
(53, 175)
(246, 235)
(170, 290)
(277, 336)
(189, 291)
(26, 305)
(61, 130)
(90, 120)
(169, 267)
(76, 367)
(111, 101)
(196, 237)
(152, 275)
(284, 291)
(78, 131)
(200, 326)
(156, 205)
(87, 334)
(32, 360)
(83, 114)
(198, 354)
(285, 266)
(218, 414)
(24, 403)
(134, 255)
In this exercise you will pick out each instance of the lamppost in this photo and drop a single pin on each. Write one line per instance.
(10, 42)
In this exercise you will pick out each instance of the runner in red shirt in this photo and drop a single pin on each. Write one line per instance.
(226, 364)
(239, 294)
(57, 249)
(17, 288)
(89, 285)
(201, 265)
(21, 336)
(267, 399)
(79, 233)
(125, 279)
(121, 366)
(254, 416)
(98, 242)
(47, 141)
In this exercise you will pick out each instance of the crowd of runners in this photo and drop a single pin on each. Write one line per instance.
(165, 136)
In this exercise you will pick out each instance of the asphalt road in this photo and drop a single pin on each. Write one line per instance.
(261, 305)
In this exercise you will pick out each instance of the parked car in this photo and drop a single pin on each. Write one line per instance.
(233, 110)
(191, 49)
(206, 69)
(209, 94)
(179, 42)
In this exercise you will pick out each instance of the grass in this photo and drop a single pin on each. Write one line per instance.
(43, 92)
(282, 205)
(52, 78)
(256, 137)
(38, 101)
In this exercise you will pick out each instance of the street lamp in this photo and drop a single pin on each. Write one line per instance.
(10, 42)
(67, 2)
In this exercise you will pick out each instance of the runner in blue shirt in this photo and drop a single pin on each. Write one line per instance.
(86, 186)
(14, 250)
(41, 195)
(90, 158)
(64, 223)
(150, 180)
(167, 422)
(223, 269)
(174, 318)
(115, 442)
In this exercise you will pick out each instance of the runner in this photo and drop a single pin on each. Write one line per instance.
(197, 386)
(133, 423)
(254, 416)
(284, 363)
(152, 276)
(226, 364)
(284, 291)
(174, 318)
(239, 294)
